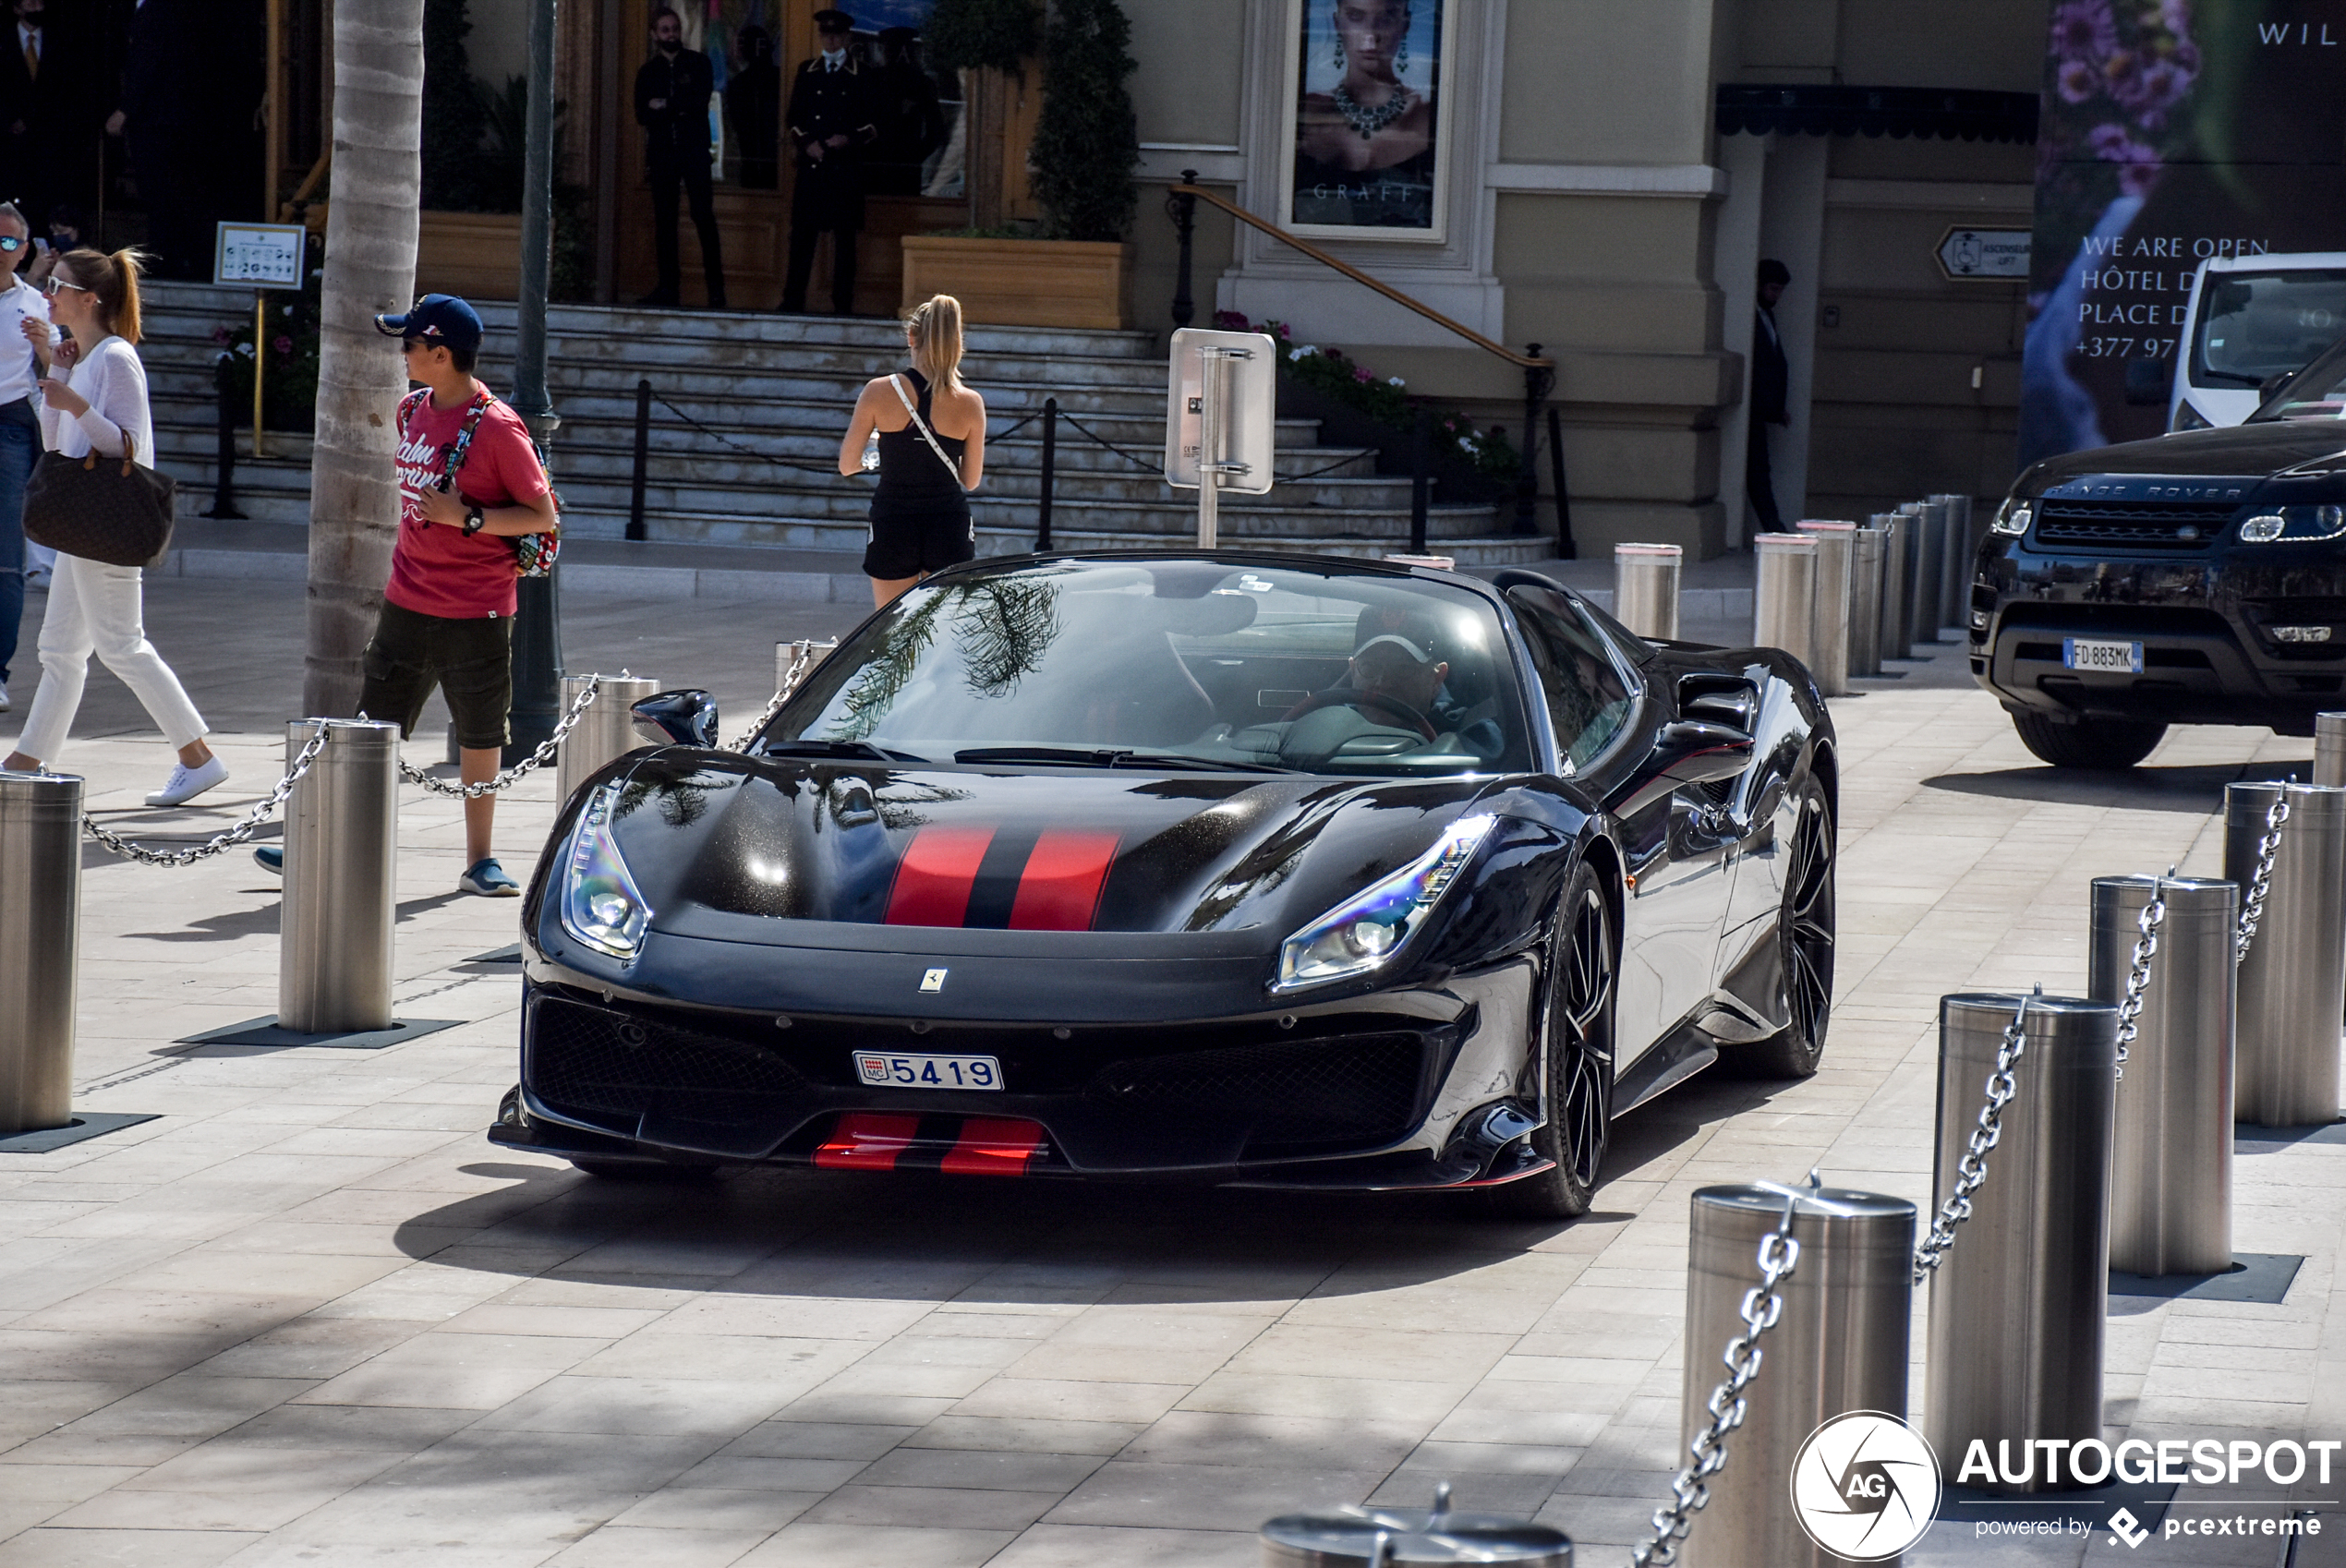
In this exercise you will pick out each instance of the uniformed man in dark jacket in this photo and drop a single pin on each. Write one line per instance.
(833, 116)
(671, 105)
(1771, 396)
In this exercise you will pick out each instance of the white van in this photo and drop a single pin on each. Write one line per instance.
(2251, 319)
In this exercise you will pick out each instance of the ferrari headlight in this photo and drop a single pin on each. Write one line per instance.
(601, 903)
(2013, 517)
(2293, 524)
(1363, 932)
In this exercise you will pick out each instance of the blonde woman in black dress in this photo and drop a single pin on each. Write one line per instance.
(932, 454)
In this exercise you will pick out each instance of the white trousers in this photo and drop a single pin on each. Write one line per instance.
(97, 608)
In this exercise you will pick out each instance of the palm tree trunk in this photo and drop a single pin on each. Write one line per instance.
(370, 268)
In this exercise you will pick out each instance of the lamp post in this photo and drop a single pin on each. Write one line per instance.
(537, 634)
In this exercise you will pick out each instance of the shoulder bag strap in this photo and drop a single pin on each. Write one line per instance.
(922, 426)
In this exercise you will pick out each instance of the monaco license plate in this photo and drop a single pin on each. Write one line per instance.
(894, 1071)
(2095, 653)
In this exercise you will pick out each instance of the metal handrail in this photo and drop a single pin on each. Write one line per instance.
(1532, 361)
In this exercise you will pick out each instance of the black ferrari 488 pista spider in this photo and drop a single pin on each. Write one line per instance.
(1221, 867)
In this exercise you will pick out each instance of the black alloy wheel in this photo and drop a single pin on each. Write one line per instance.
(1576, 1027)
(2101, 743)
(1806, 927)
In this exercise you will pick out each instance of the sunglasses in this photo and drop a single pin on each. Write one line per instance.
(53, 282)
(10, 242)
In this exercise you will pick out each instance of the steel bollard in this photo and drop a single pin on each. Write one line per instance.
(1645, 589)
(1930, 520)
(40, 947)
(604, 733)
(1955, 580)
(1865, 601)
(1373, 1535)
(1784, 597)
(1835, 543)
(2293, 982)
(1897, 560)
(1841, 1346)
(2329, 748)
(333, 962)
(2017, 1309)
(2171, 1196)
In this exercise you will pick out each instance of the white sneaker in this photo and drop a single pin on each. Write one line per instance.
(186, 783)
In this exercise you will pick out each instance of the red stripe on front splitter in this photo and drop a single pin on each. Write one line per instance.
(867, 1141)
(933, 879)
(993, 1146)
(1060, 890)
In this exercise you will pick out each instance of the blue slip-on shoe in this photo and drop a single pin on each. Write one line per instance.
(489, 879)
(271, 858)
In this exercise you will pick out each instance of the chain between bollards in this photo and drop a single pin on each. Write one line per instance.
(547, 751)
(1972, 1170)
(238, 834)
(801, 660)
(2130, 1006)
(1762, 1306)
(2252, 906)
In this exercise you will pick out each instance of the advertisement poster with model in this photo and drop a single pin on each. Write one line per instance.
(1368, 126)
(2171, 132)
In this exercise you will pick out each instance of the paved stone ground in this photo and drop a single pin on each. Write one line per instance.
(310, 1316)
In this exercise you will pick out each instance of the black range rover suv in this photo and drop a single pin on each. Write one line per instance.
(2196, 578)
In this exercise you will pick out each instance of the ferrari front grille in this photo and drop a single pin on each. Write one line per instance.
(605, 1063)
(1355, 1089)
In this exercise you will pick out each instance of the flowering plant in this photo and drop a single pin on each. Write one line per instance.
(2117, 71)
(1344, 380)
(289, 375)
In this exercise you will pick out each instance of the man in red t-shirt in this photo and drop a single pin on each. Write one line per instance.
(469, 482)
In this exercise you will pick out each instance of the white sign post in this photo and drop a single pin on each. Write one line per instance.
(1984, 255)
(264, 256)
(1221, 419)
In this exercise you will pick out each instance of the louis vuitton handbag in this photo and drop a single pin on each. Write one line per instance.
(103, 509)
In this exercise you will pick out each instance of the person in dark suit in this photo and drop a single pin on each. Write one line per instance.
(833, 117)
(753, 103)
(912, 120)
(45, 114)
(1771, 390)
(671, 105)
(160, 97)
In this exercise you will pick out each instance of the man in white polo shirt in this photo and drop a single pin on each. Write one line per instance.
(19, 427)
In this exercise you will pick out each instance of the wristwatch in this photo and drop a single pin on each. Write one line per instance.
(473, 518)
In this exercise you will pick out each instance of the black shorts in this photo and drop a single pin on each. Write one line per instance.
(470, 660)
(910, 540)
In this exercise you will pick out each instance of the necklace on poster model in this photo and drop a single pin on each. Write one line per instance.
(1368, 122)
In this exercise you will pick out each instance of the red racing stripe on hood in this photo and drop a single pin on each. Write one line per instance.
(933, 881)
(1060, 888)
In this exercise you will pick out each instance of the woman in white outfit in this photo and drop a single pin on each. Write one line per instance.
(102, 407)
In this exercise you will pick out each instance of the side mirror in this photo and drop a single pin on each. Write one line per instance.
(2148, 381)
(1696, 751)
(687, 717)
(1689, 750)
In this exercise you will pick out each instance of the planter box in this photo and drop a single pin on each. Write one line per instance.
(1343, 425)
(475, 255)
(1022, 282)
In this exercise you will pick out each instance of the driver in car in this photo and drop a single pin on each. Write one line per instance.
(1394, 687)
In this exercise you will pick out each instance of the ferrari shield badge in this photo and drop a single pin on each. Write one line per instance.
(932, 981)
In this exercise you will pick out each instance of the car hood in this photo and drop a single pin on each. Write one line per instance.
(2242, 450)
(732, 848)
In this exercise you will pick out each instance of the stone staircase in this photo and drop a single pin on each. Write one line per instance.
(770, 391)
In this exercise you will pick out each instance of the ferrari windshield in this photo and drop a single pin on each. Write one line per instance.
(1173, 664)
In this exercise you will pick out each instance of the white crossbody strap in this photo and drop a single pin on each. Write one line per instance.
(919, 424)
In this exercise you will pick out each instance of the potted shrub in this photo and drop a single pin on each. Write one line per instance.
(1072, 270)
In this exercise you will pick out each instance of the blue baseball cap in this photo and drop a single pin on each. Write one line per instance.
(438, 318)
